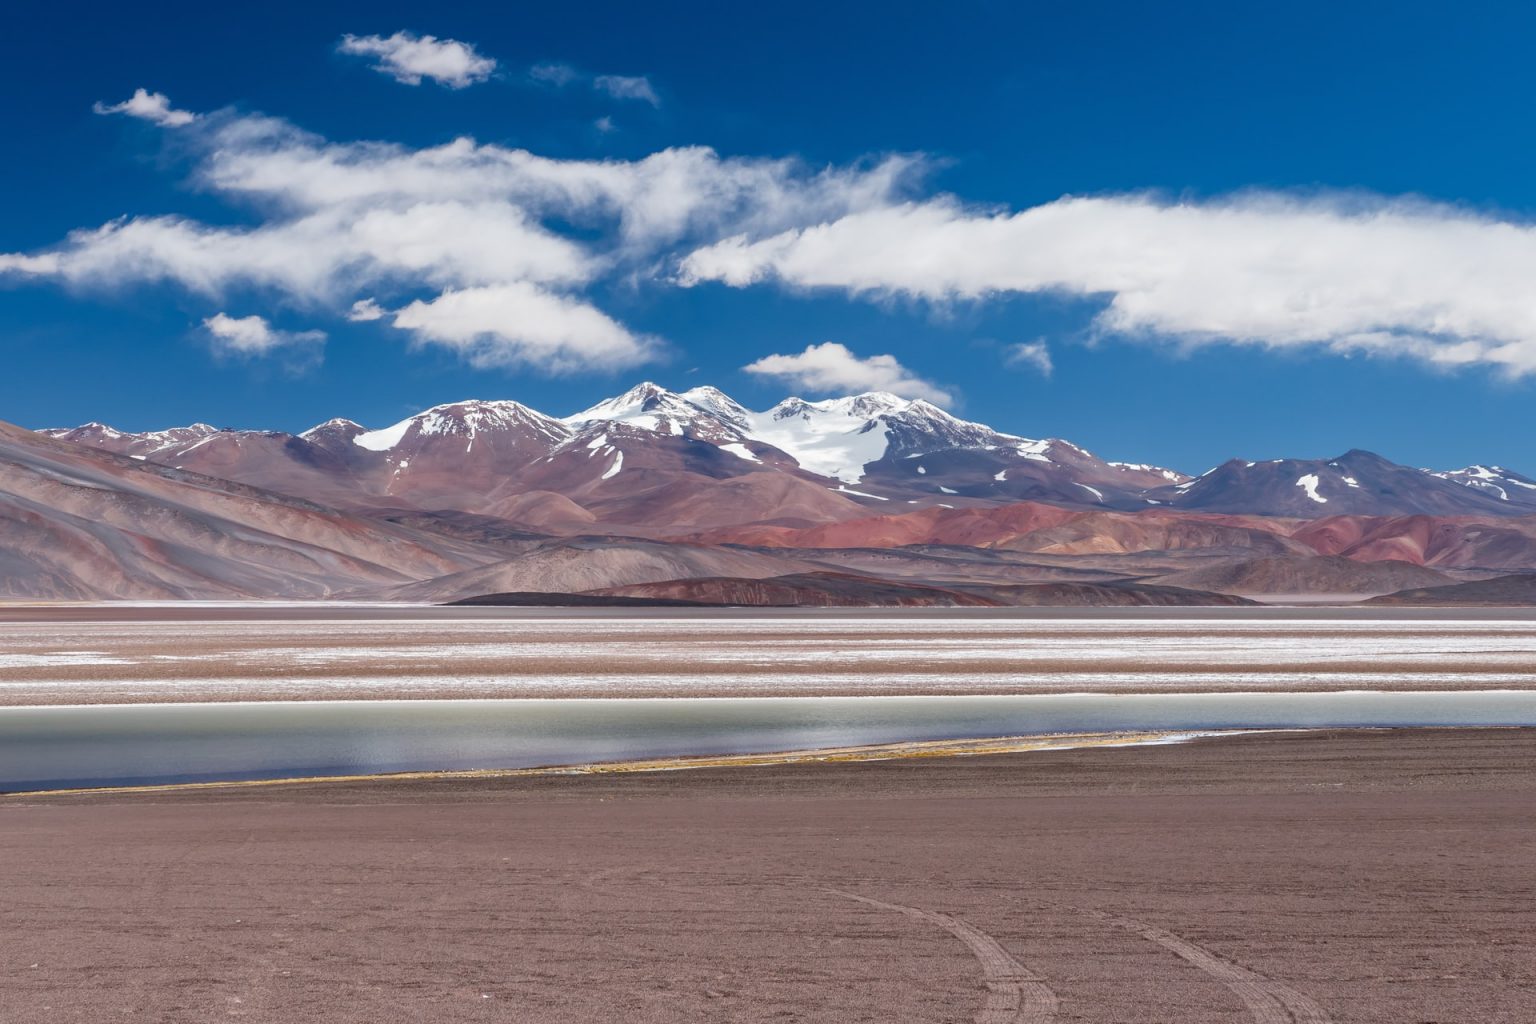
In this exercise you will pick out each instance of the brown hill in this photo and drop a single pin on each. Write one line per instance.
(1458, 541)
(598, 563)
(1028, 526)
(77, 523)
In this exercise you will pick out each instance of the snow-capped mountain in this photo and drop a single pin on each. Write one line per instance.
(99, 435)
(656, 460)
(703, 413)
(1355, 483)
(865, 443)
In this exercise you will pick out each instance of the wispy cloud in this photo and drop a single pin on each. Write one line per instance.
(149, 106)
(508, 241)
(1033, 354)
(479, 227)
(627, 87)
(620, 87)
(1382, 276)
(554, 73)
(409, 58)
(832, 368)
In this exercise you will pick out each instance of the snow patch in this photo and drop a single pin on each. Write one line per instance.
(1309, 483)
(860, 494)
(383, 440)
(827, 438)
(613, 470)
(741, 451)
(1034, 450)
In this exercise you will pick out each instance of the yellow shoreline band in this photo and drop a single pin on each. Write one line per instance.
(875, 752)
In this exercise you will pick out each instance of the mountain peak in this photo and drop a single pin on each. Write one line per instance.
(643, 397)
(469, 418)
(336, 425)
(870, 403)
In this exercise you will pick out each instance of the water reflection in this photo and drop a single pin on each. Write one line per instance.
(60, 747)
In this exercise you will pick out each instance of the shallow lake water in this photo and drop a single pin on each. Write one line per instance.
(79, 746)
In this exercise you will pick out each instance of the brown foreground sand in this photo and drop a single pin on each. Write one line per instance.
(1346, 876)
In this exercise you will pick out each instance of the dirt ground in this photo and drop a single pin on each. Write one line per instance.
(1368, 877)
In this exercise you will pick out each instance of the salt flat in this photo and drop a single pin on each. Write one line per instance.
(149, 654)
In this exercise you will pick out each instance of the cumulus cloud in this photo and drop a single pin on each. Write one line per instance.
(831, 368)
(520, 324)
(1033, 354)
(627, 87)
(254, 336)
(408, 58)
(154, 107)
(1390, 277)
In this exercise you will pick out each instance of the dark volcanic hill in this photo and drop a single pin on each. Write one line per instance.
(1501, 592)
(1295, 575)
(808, 590)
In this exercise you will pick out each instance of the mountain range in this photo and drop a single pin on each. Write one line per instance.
(681, 496)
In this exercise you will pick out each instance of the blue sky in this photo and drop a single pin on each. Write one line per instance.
(1298, 230)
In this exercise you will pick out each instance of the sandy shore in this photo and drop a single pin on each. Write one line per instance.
(1363, 877)
(70, 655)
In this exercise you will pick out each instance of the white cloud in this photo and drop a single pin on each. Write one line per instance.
(321, 255)
(149, 106)
(407, 57)
(627, 87)
(1388, 277)
(340, 222)
(42, 265)
(832, 369)
(254, 336)
(1035, 354)
(521, 324)
(604, 124)
(364, 310)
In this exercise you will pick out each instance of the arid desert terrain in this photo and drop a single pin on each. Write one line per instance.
(1369, 877)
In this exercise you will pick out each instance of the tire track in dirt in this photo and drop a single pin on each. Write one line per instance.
(1268, 1001)
(1015, 995)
